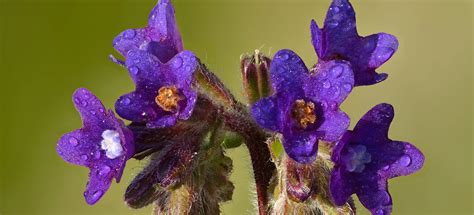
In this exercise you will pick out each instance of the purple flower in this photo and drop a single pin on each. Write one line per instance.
(305, 105)
(161, 70)
(163, 92)
(103, 145)
(365, 158)
(161, 37)
(339, 40)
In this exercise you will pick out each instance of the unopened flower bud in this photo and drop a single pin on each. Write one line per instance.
(255, 75)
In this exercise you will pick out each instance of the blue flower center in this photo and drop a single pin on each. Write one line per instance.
(303, 113)
(356, 158)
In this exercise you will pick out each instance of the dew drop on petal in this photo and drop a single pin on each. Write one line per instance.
(187, 68)
(101, 110)
(405, 160)
(73, 141)
(104, 170)
(332, 23)
(134, 70)
(333, 105)
(92, 112)
(125, 101)
(284, 57)
(84, 157)
(326, 84)
(96, 196)
(337, 71)
(129, 34)
(97, 154)
(379, 212)
(386, 167)
(324, 105)
(177, 63)
(347, 87)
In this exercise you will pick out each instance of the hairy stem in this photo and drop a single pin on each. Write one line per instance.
(236, 118)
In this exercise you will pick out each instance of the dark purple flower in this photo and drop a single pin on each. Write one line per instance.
(305, 105)
(365, 158)
(103, 144)
(163, 92)
(161, 37)
(339, 40)
(161, 70)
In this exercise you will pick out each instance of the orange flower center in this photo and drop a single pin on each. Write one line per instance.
(303, 113)
(168, 98)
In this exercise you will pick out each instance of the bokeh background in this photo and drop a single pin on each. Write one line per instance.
(48, 48)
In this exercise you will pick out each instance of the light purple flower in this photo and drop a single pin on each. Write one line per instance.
(103, 144)
(366, 158)
(305, 105)
(339, 40)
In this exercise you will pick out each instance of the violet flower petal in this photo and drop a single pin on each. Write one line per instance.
(366, 158)
(267, 114)
(288, 72)
(161, 37)
(334, 125)
(331, 84)
(339, 40)
(84, 146)
(301, 147)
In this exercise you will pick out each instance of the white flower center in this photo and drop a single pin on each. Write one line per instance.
(111, 144)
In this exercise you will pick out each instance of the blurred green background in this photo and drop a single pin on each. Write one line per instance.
(48, 48)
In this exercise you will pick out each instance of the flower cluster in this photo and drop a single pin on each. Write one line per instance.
(305, 110)
(163, 75)
(182, 117)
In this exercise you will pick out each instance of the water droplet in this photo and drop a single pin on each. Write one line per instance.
(136, 61)
(96, 196)
(326, 84)
(129, 34)
(332, 23)
(324, 105)
(386, 167)
(97, 155)
(188, 68)
(84, 157)
(73, 141)
(347, 87)
(379, 212)
(125, 101)
(336, 93)
(336, 9)
(333, 105)
(383, 195)
(84, 103)
(337, 71)
(284, 57)
(104, 170)
(405, 160)
(92, 112)
(177, 63)
(101, 110)
(133, 70)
